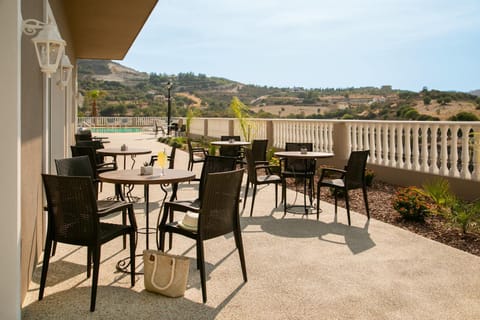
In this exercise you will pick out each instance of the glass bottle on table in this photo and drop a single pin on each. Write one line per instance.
(162, 160)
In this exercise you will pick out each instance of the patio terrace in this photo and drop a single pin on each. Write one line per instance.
(298, 268)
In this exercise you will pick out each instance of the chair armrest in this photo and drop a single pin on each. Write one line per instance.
(175, 206)
(107, 165)
(170, 206)
(199, 149)
(106, 207)
(327, 171)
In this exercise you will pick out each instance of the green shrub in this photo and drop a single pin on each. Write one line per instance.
(369, 175)
(466, 215)
(439, 192)
(411, 204)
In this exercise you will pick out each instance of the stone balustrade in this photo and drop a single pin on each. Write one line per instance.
(405, 152)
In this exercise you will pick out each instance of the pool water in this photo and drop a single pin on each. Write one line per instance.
(115, 130)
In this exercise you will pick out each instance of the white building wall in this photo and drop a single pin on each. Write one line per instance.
(10, 143)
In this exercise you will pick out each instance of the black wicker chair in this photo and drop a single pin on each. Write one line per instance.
(98, 167)
(80, 166)
(298, 169)
(195, 154)
(73, 219)
(259, 151)
(212, 164)
(218, 215)
(352, 177)
(259, 174)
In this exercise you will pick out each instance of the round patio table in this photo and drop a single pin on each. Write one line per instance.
(132, 152)
(233, 143)
(309, 155)
(159, 176)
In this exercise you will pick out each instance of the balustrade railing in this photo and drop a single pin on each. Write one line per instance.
(118, 121)
(441, 148)
(437, 147)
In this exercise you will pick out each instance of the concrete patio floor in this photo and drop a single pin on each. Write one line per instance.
(298, 268)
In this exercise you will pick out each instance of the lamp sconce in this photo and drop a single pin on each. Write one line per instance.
(49, 46)
(65, 71)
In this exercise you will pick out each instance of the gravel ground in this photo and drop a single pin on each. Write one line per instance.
(380, 197)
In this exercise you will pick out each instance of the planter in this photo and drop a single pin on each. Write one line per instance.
(145, 171)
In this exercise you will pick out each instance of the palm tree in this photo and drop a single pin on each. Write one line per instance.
(94, 95)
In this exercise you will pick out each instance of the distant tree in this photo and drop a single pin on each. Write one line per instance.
(464, 116)
(427, 100)
(94, 95)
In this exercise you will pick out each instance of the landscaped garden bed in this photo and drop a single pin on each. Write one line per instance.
(434, 226)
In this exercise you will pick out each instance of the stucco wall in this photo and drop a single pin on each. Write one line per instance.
(34, 88)
(31, 149)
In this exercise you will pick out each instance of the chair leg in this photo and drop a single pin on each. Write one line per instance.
(96, 267)
(199, 254)
(276, 195)
(46, 260)
(336, 199)
(284, 191)
(318, 201)
(347, 205)
(54, 249)
(238, 241)
(161, 240)
(89, 261)
(124, 222)
(310, 190)
(170, 235)
(132, 257)
(365, 198)
(201, 260)
(253, 198)
(246, 193)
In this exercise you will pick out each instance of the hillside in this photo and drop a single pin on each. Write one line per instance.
(126, 91)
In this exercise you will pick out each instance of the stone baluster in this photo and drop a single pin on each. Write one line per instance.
(454, 147)
(371, 144)
(444, 150)
(392, 148)
(424, 155)
(465, 173)
(400, 146)
(408, 147)
(434, 150)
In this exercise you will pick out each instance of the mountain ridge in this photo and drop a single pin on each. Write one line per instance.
(134, 92)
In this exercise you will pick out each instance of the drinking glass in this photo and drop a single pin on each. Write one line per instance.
(162, 160)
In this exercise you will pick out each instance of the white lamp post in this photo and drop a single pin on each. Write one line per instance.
(49, 46)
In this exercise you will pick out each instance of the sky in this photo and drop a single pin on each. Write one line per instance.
(408, 44)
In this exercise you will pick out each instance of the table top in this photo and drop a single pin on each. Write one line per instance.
(133, 176)
(228, 143)
(129, 151)
(299, 155)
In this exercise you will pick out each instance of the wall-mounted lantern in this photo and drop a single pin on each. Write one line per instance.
(65, 71)
(49, 46)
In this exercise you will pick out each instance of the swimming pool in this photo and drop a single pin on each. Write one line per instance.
(115, 130)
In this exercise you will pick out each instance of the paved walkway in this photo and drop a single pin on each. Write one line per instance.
(298, 268)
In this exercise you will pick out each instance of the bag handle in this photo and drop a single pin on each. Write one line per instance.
(172, 273)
